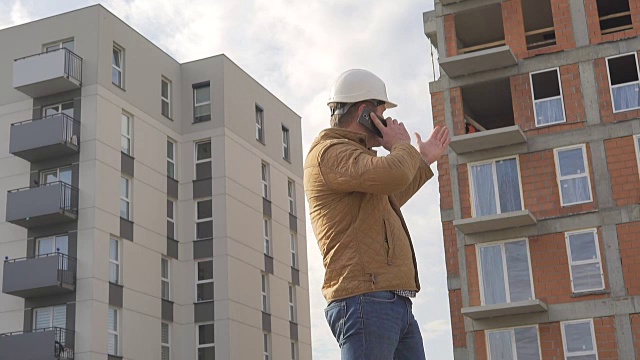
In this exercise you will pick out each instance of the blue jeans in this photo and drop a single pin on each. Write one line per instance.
(375, 326)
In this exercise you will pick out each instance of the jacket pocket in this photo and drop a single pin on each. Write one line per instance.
(388, 241)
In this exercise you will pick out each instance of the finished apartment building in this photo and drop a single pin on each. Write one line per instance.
(540, 190)
(150, 209)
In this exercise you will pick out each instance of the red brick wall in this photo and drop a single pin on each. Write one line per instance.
(473, 280)
(623, 169)
(450, 36)
(456, 111)
(572, 96)
(457, 321)
(481, 345)
(444, 182)
(593, 23)
(628, 238)
(604, 95)
(464, 190)
(551, 341)
(606, 338)
(635, 330)
(450, 248)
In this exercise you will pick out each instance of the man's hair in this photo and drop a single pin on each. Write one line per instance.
(342, 120)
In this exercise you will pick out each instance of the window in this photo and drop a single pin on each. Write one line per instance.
(165, 97)
(520, 343)
(636, 142)
(125, 198)
(265, 180)
(206, 345)
(259, 124)
(165, 275)
(201, 102)
(113, 347)
(625, 82)
(292, 303)
(114, 261)
(264, 291)
(585, 265)
(614, 16)
(53, 316)
(63, 174)
(64, 44)
(548, 105)
(171, 219)
(294, 350)
(573, 175)
(578, 339)
(266, 230)
(64, 108)
(117, 66)
(53, 244)
(125, 143)
(294, 256)
(204, 219)
(165, 341)
(495, 187)
(171, 159)
(266, 346)
(286, 154)
(204, 280)
(291, 194)
(505, 272)
(203, 160)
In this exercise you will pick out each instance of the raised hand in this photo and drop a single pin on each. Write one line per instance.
(393, 133)
(432, 149)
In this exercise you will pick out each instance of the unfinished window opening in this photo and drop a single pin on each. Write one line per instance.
(547, 97)
(538, 24)
(487, 106)
(614, 15)
(624, 81)
(480, 29)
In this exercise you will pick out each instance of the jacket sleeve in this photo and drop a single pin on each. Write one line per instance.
(423, 174)
(346, 167)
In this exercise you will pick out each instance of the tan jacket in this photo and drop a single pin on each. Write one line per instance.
(354, 203)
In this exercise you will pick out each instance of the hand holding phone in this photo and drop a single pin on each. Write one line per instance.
(365, 120)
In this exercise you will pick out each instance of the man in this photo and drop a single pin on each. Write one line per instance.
(354, 203)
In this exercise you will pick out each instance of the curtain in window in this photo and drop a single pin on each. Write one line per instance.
(549, 111)
(575, 190)
(483, 190)
(518, 271)
(527, 343)
(508, 185)
(500, 345)
(626, 97)
(492, 275)
(578, 337)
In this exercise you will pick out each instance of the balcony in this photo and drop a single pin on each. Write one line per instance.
(42, 344)
(483, 140)
(39, 139)
(47, 73)
(429, 23)
(48, 204)
(496, 310)
(44, 275)
(495, 222)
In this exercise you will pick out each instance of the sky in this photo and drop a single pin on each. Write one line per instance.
(296, 49)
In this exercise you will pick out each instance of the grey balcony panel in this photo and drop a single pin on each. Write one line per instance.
(203, 171)
(266, 321)
(202, 188)
(496, 310)
(495, 222)
(167, 310)
(203, 311)
(126, 229)
(45, 275)
(49, 204)
(114, 357)
(116, 294)
(202, 249)
(127, 164)
(293, 222)
(478, 61)
(172, 187)
(268, 264)
(489, 139)
(40, 139)
(266, 207)
(39, 344)
(170, 228)
(295, 276)
(172, 248)
(293, 331)
(429, 23)
(47, 73)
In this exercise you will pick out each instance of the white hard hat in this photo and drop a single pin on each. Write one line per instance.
(358, 85)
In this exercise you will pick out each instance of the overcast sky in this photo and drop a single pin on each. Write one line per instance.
(295, 49)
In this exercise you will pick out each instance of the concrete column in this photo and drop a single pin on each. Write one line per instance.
(579, 21)
(614, 261)
(589, 89)
(624, 337)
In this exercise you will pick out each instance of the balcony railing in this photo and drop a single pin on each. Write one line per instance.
(42, 275)
(47, 204)
(48, 72)
(72, 62)
(50, 136)
(48, 343)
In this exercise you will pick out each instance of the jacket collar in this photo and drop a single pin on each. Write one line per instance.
(337, 133)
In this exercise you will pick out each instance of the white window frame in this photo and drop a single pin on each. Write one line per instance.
(561, 97)
(293, 240)
(513, 339)
(580, 353)
(201, 346)
(127, 198)
(293, 308)
(44, 173)
(115, 332)
(51, 310)
(120, 69)
(172, 143)
(264, 293)
(598, 259)
(495, 182)
(586, 172)
(199, 282)
(266, 345)
(196, 103)
(129, 136)
(198, 221)
(266, 182)
(266, 234)
(195, 156)
(260, 136)
(635, 54)
(167, 279)
(55, 248)
(294, 350)
(636, 144)
(168, 98)
(286, 143)
(168, 343)
(59, 44)
(117, 262)
(173, 220)
(291, 195)
(504, 267)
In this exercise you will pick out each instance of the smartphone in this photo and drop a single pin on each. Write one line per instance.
(365, 120)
